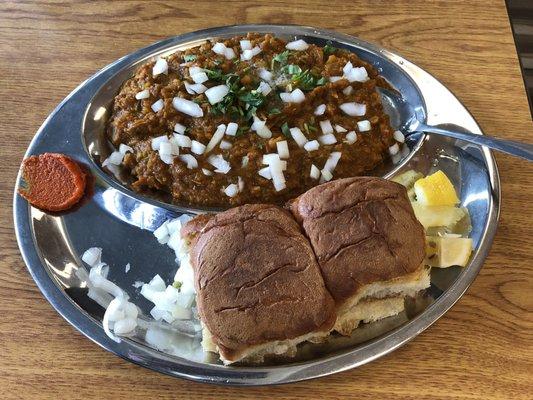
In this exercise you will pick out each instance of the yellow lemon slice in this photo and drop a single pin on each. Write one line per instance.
(435, 190)
(446, 251)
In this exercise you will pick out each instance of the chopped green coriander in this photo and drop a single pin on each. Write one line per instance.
(274, 111)
(242, 130)
(189, 57)
(285, 130)
(281, 59)
(329, 49)
(177, 284)
(312, 128)
(291, 69)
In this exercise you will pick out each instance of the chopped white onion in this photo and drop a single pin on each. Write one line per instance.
(187, 107)
(327, 139)
(182, 140)
(200, 77)
(364, 126)
(312, 145)
(270, 158)
(249, 54)
(179, 128)
(298, 45)
(189, 160)
(325, 175)
(225, 145)
(207, 172)
(197, 147)
(160, 67)
(265, 173)
(196, 88)
(326, 127)
(283, 149)
(156, 142)
(144, 94)
(353, 109)
(347, 67)
(340, 129)
(195, 70)
(335, 78)
(278, 179)
(394, 149)
(216, 93)
(320, 110)
(216, 138)
(357, 74)
(123, 148)
(348, 90)
(165, 148)
(115, 158)
(265, 74)
(92, 256)
(296, 96)
(219, 48)
(231, 190)
(298, 137)
(167, 158)
(161, 232)
(264, 88)
(398, 136)
(245, 161)
(158, 105)
(231, 129)
(332, 161)
(351, 137)
(315, 172)
(221, 165)
(246, 45)
(261, 129)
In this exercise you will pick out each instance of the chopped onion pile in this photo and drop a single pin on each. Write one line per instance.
(298, 45)
(231, 190)
(353, 109)
(120, 317)
(144, 94)
(394, 149)
(123, 148)
(189, 160)
(340, 129)
(265, 75)
(364, 126)
(264, 88)
(216, 93)
(198, 75)
(179, 128)
(225, 145)
(167, 148)
(188, 107)
(197, 147)
(221, 49)
(160, 67)
(181, 140)
(261, 128)
(246, 45)
(114, 159)
(296, 96)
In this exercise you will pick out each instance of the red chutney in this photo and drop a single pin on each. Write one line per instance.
(54, 182)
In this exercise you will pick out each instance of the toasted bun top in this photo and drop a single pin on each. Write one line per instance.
(256, 278)
(363, 230)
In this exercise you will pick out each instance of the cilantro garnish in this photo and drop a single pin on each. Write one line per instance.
(285, 130)
(329, 49)
(189, 57)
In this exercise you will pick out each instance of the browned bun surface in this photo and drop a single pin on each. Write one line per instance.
(256, 278)
(362, 230)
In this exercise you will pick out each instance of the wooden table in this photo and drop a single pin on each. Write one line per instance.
(481, 349)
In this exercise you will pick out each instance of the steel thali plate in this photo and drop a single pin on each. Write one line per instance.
(121, 221)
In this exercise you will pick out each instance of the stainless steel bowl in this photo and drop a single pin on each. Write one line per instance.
(116, 218)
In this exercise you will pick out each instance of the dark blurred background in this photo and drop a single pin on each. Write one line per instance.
(521, 15)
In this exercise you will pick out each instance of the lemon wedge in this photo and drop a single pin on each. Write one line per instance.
(443, 252)
(433, 216)
(435, 190)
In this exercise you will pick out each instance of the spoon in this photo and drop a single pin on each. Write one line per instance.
(405, 117)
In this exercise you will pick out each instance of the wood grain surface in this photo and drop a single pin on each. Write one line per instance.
(481, 349)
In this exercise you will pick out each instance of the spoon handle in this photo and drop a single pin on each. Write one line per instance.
(523, 150)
